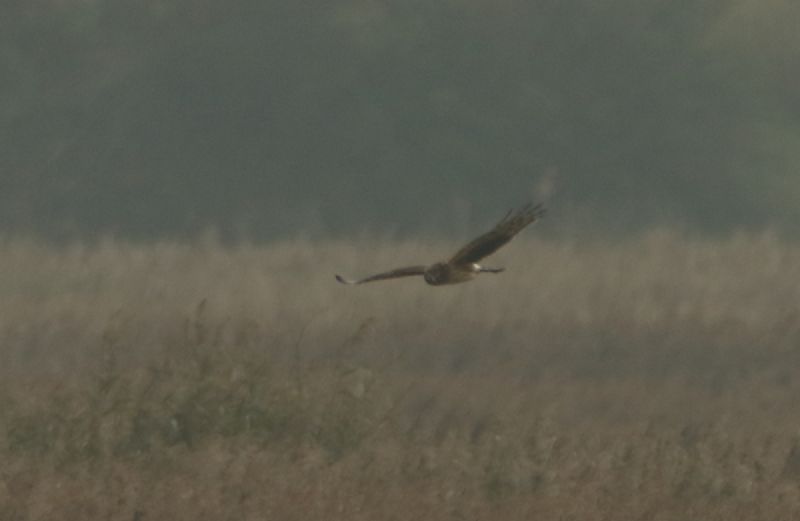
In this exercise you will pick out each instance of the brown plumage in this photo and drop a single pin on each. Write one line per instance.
(463, 266)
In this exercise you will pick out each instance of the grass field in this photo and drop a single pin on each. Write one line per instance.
(650, 379)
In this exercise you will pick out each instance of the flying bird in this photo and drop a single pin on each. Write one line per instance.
(463, 266)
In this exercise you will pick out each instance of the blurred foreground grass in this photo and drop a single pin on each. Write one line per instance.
(650, 379)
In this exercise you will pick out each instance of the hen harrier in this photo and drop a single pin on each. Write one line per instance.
(463, 265)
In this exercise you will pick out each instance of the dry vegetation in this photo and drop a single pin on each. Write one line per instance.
(655, 379)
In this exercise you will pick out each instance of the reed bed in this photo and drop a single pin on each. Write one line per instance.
(650, 378)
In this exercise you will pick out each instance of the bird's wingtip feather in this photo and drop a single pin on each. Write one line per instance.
(344, 280)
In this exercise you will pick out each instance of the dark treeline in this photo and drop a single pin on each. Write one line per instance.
(267, 117)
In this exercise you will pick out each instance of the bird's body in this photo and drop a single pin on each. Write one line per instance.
(463, 266)
(442, 273)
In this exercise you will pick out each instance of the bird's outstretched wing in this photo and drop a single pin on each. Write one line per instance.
(503, 232)
(394, 274)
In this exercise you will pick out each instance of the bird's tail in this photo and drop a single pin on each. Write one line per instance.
(492, 270)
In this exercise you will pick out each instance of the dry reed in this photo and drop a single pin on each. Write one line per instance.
(653, 378)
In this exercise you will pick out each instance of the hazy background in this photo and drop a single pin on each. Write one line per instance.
(151, 369)
(268, 118)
